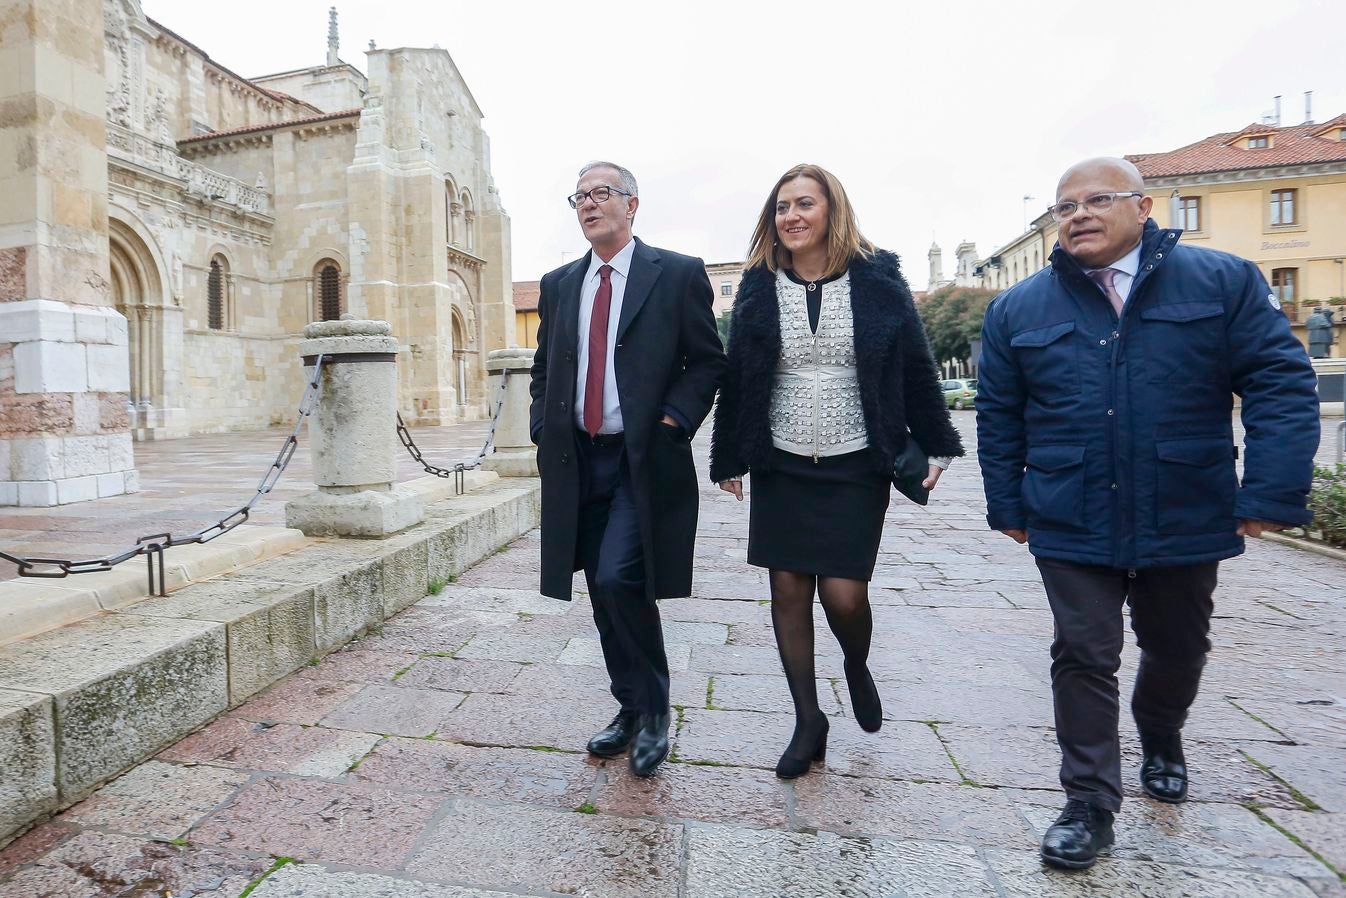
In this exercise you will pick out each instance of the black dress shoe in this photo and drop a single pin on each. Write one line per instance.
(616, 736)
(651, 745)
(1163, 768)
(1078, 835)
(808, 745)
(865, 704)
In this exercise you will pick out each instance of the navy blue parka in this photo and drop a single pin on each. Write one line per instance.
(1111, 441)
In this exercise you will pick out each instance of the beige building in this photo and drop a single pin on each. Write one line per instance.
(1273, 194)
(724, 279)
(240, 209)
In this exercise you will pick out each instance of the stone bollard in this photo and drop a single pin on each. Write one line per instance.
(353, 434)
(515, 455)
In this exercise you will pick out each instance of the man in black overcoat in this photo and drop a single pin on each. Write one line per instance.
(628, 359)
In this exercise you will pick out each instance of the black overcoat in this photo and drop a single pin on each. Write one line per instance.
(900, 389)
(668, 354)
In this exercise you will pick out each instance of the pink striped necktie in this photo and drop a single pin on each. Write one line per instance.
(1104, 278)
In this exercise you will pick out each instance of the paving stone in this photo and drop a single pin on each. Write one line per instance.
(156, 799)
(519, 721)
(1018, 757)
(343, 824)
(395, 711)
(1021, 874)
(300, 698)
(501, 647)
(694, 633)
(32, 845)
(735, 659)
(762, 693)
(861, 806)
(722, 611)
(695, 792)
(1322, 832)
(588, 685)
(588, 651)
(357, 664)
(1218, 772)
(419, 630)
(748, 863)
(1314, 722)
(1198, 834)
(496, 599)
(987, 707)
(452, 675)
(551, 778)
(312, 881)
(283, 748)
(105, 865)
(579, 854)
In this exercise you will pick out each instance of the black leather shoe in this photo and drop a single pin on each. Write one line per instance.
(1163, 768)
(865, 704)
(806, 747)
(616, 736)
(1074, 841)
(651, 745)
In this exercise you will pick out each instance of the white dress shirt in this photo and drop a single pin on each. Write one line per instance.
(1126, 266)
(621, 267)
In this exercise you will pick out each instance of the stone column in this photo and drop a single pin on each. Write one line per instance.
(64, 375)
(353, 435)
(515, 455)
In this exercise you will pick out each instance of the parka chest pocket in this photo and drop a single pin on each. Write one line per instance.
(1049, 359)
(1184, 341)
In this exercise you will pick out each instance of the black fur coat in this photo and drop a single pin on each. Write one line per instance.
(900, 389)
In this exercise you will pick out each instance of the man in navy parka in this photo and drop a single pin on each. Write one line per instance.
(1105, 437)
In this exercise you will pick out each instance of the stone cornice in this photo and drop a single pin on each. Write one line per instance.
(1272, 173)
(461, 258)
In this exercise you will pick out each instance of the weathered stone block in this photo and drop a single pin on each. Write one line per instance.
(86, 455)
(76, 489)
(29, 606)
(44, 366)
(109, 368)
(37, 319)
(37, 493)
(123, 686)
(347, 606)
(111, 484)
(269, 627)
(367, 513)
(28, 759)
(37, 458)
(405, 577)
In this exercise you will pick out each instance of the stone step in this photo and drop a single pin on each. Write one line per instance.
(82, 703)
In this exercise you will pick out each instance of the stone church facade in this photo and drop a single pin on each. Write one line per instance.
(240, 209)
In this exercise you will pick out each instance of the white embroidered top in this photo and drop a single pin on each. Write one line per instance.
(815, 398)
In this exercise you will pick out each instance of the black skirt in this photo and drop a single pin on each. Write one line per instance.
(823, 518)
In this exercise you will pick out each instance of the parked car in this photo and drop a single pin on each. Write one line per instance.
(960, 394)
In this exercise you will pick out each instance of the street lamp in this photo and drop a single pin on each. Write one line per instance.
(1027, 199)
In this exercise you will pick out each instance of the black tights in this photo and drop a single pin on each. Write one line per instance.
(846, 604)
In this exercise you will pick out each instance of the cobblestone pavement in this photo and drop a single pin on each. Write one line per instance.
(188, 483)
(443, 757)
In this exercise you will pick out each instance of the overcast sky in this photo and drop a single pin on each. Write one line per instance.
(938, 118)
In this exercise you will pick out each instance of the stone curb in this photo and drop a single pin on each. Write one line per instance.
(29, 606)
(1305, 545)
(81, 704)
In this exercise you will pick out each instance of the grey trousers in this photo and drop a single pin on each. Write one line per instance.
(1170, 615)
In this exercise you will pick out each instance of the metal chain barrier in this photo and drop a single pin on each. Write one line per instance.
(459, 471)
(153, 545)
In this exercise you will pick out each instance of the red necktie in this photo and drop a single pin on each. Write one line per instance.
(1104, 278)
(598, 352)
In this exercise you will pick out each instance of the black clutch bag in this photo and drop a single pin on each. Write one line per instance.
(910, 469)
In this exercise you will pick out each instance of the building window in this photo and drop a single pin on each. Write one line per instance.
(726, 288)
(1259, 143)
(1283, 207)
(1189, 213)
(215, 296)
(1283, 286)
(329, 292)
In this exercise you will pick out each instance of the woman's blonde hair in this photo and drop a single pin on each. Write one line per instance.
(844, 240)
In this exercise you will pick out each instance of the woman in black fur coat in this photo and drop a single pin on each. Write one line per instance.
(829, 375)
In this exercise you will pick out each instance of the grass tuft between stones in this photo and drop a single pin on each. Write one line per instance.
(280, 862)
(1308, 803)
(436, 586)
(1262, 815)
(586, 808)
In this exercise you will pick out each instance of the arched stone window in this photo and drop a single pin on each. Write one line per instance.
(469, 222)
(329, 290)
(452, 212)
(217, 294)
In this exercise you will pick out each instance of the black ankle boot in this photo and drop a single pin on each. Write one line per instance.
(865, 703)
(1163, 768)
(806, 747)
(1078, 835)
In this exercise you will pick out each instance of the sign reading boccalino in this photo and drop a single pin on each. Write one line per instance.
(1285, 244)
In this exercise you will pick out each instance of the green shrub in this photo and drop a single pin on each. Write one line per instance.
(1328, 503)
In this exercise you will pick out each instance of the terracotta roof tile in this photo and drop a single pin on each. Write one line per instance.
(272, 126)
(1291, 145)
(526, 295)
